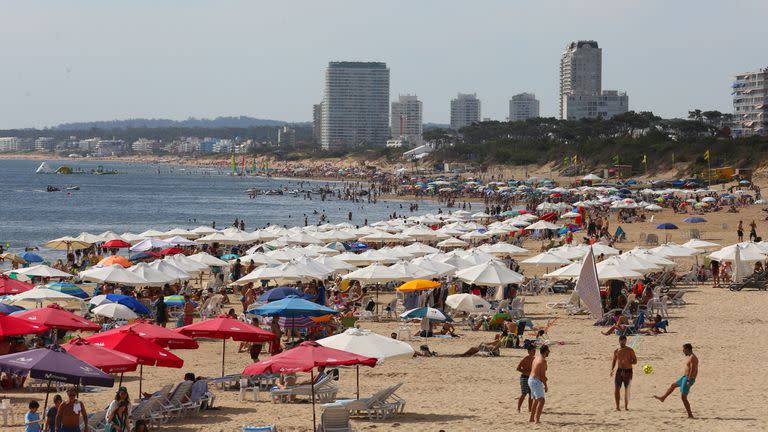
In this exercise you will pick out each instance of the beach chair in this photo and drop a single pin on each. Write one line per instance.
(5, 410)
(173, 407)
(517, 310)
(677, 299)
(270, 428)
(380, 405)
(334, 418)
(573, 301)
(97, 421)
(325, 391)
(652, 240)
(634, 328)
(151, 410)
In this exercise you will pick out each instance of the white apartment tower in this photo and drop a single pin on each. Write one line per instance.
(523, 106)
(750, 103)
(406, 119)
(581, 92)
(355, 108)
(465, 110)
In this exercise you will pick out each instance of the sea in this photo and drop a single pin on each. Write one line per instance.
(160, 196)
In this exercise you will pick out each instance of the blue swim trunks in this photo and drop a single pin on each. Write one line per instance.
(685, 384)
(537, 388)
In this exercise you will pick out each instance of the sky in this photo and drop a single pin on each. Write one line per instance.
(95, 60)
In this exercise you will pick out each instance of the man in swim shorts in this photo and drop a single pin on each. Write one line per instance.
(537, 382)
(524, 367)
(685, 382)
(625, 358)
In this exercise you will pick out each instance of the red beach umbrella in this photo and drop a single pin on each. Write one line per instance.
(171, 251)
(224, 327)
(147, 353)
(106, 359)
(10, 286)
(54, 316)
(306, 357)
(116, 244)
(161, 336)
(12, 326)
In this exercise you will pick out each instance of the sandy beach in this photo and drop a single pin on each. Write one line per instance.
(463, 394)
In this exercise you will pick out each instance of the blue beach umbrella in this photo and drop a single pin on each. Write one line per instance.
(228, 257)
(292, 306)
(667, 226)
(694, 219)
(358, 246)
(32, 257)
(280, 293)
(129, 302)
(68, 288)
(6, 309)
(426, 312)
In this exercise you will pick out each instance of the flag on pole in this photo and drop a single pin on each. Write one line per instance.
(706, 155)
(588, 287)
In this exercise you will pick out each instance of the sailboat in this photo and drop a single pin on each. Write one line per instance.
(44, 168)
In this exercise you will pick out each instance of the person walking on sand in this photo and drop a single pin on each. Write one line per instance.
(538, 383)
(687, 380)
(624, 357)
(740, 231)
(524, 367)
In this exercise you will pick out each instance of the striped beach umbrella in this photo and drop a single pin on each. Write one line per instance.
(174, 300)
(68, 288)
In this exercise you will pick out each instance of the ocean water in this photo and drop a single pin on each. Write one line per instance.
(160, 196)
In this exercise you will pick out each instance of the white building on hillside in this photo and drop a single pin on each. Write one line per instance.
(465, 110)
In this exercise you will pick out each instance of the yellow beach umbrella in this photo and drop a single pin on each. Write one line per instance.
(418, 285)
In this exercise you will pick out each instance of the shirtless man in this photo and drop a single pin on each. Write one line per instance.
(625, 358)
(687, 380)
(524, 367)
(69, 414)
(538, 383)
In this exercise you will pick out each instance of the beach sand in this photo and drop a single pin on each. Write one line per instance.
(727, 329)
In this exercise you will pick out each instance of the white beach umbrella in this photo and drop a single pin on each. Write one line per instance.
(112, 274)
(467, 303)
(180, 232)
(502, 249)
(492, 273)
(115, 311)
(546, 259)
(474, 236)
(746, 254)
(439, 269)
(89, 238)
(208, 259)
(570, 252)
(607, 270)
(260, 259)
(170, 270)
(377, 273)
(568, 272)
(131, 237)
(39, 295)
(542, 225)
(700, 244)
(671, 250)
(188, 265)
(420, 232)
(151, 233)
(41, 270)
(603, 249)
(109, 235)
(366, 343)
(152, 276)
(420, 249)
(412, 270)
(67, 243)
(452, 243)
(180, 241)
(203, 230)
(335, 264)
(259, 274)
(149, 244)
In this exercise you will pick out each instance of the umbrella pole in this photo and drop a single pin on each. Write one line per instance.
(141, 376)
(312, 381)
(47, 392)
(357, 376)
(121, 379)
(223, 353)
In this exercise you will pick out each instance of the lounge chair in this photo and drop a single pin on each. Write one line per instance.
(334, 418)
(517, 310)
(634, 328)
(380, 405)
(677, 299)
(573, 301)
(174, 407)
(151, 409)
(325, 391)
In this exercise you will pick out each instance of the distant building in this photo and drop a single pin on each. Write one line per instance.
(355, 108)
(145, 146)
(286, 137)
(465, 110)
(581, 81)
(10, 144)
(606, 105)
(317, 123)
(406, 120)
(523, 106)
(46, 144)
(750, 103)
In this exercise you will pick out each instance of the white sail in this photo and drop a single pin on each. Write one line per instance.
(44, 168)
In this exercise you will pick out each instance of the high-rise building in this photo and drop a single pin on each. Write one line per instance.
(355, 108)
(465, 110)
(581, 87)
(750, 103)
(317, 122)
(286, 137)
(523, 106)
(407, 119)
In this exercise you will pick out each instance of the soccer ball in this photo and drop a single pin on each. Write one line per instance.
(648, 369)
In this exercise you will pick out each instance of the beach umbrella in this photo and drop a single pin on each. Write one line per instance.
(68, 288)
(376, 273)
(13, 258)
(161, 336)
(666, 226)
(152, 276)
(115, 311)
(144, 255)
(229, 257)
(56, 317)
(368, 344)
(567, 272)
(176, 300)
(106, 359)
(14, 326)
(146, 352)
(115, 260)
(171, 251)
(542, 224)
(412, 270)
(10, 286)
(744, 253)
(672, 250)
(116, 274)
(699, 244)
(130, 302)
(654, 208)
(546, 259)
(224, 327)
(67, 244)
(492, 273)
(304, 358)
(607, 270)
(39, 295)
(292, 306)
(468, 303)
(170, 269)
(418, 285)
(208, 259)
(296, 322)
(180, 241)
(426, 312)
(149, 244)
(116, 244)
(280, 293)
(502, 248)
(41, 270)
(452, 242)
(694, 219)
(31, 257)
(54, 364)
(437, 268)
(6, 309)
(335, 264)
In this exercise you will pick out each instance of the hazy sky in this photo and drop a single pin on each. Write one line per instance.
(64, 61)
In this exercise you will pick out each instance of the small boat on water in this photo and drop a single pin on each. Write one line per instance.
(72, 187)
(52, 189)
(44, 168)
